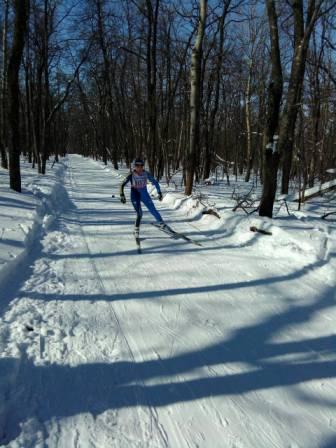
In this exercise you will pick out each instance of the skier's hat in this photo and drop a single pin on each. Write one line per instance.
(138, 162)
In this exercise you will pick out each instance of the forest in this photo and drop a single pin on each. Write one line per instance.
(248, 86)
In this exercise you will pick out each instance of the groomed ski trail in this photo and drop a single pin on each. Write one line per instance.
(180, 346)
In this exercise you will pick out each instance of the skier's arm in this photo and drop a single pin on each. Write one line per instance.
(122, 186)
(124, 182)
(154, 182)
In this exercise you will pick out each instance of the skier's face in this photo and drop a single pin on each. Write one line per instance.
(138, 168)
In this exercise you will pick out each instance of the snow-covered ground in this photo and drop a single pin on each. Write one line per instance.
(227, 344)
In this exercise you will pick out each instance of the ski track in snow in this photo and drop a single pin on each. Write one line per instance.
(231, 344)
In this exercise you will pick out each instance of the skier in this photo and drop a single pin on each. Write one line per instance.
(138, 178)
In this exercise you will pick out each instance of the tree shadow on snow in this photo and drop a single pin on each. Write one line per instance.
(56, 391)
(188, 290)
(330, 443)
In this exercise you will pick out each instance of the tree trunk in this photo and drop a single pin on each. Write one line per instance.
(108, 109)
(21, 8)
(289, 116)
(271, 155)
(46, 106)
(218, 68)
(195, 74)
(249, 158)
(152, 18)
(3, 90)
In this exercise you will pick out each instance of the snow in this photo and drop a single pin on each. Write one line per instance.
(318, 188)
(231, 344)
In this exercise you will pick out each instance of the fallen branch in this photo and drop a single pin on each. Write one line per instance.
(244, 205)
(240, 203)
(318, 191)
(263, 232)
(328, 214)
(283, 201)
(253, 211)
(244, 202)
(210, 211)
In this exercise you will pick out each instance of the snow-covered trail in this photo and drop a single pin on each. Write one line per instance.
(180, 346)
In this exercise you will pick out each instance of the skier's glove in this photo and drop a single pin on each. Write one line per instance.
(160, 196)
(122, 199)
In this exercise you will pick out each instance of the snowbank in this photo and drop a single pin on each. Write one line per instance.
(26, 216)
(24, 220)
(292, 237)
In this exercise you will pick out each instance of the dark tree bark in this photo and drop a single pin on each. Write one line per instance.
(3, 90)
(108, 109)
(45, 144)
(271, 155)
(302, 33)
(317, 54)
(249, 153)
(209, 149)
(152, 15)
(195, 76)
(21, 8)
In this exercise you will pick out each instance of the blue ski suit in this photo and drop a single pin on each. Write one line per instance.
(140, 194)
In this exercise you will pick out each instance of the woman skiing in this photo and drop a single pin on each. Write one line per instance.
(138, 178)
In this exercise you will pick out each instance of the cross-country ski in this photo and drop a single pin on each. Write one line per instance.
(175, 235)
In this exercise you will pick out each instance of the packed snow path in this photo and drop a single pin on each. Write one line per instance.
(181, 346)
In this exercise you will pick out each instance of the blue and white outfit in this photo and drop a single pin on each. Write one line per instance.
(140, 194)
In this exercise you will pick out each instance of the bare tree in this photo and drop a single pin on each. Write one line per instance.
(210, 131)
(195, 77)
(3, 88)
(304, 23)
(303, 29)
(21, 8)
(271, 156)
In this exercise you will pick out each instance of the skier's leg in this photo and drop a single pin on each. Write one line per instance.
(136, 201)
(147, 200)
